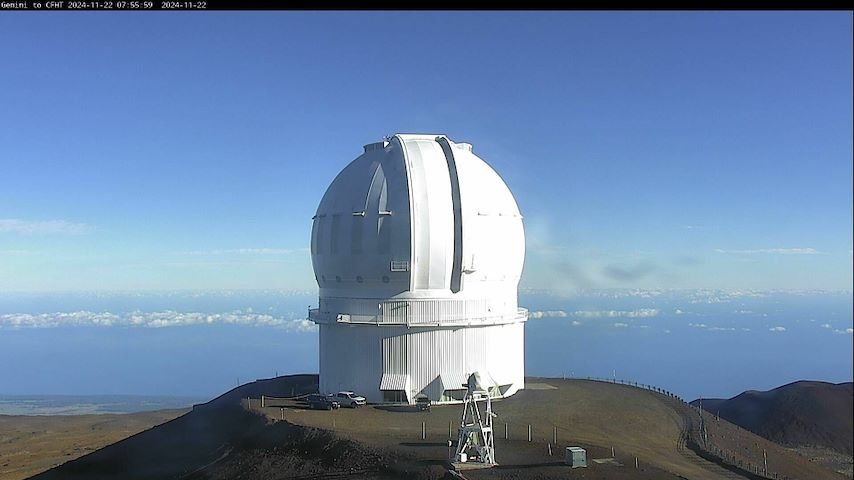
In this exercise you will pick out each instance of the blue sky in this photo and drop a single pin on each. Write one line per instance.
(656, 150)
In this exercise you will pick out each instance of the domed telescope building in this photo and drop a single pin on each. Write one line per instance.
(417, 247)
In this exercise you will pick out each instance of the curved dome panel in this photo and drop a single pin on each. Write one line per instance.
(417, 215)
(362, 226)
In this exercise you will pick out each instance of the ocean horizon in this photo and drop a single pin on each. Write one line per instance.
(151, 350)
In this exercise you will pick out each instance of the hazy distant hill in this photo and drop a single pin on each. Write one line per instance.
(803, 413)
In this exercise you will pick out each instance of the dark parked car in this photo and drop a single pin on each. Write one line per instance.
(422, 402)
(321, 402)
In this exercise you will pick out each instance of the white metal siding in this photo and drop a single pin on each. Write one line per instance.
(454, 380)
(423, 310)
(350, 359)
(357, 357)
(394, 381)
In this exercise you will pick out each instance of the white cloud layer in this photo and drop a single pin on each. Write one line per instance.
(547, 314)
(639, 313)
(42, 227)
(707, 296)
(166, 318)
(710, 328)
(778, 328)
(777, 251)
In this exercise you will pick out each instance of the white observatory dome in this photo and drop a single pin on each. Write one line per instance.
(417, 215)
(418, 232)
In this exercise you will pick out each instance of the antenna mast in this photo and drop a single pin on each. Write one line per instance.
(475, 444)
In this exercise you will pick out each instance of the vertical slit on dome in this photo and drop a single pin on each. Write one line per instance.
(377, 178)
(383, 225)
(457, 269)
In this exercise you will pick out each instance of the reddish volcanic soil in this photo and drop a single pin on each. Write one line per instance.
(234, 437)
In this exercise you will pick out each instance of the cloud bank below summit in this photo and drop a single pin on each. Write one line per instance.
(168, 318)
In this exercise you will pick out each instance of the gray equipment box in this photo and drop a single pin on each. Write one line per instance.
(576, 457)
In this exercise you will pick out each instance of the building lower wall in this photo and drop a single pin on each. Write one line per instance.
(355, 357)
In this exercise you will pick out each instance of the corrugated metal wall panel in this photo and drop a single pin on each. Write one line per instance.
(351, 359)
(361, 354)
(394, 355)
(454, 380)
(394, 381)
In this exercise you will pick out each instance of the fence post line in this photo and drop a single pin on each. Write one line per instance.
(529, 432)
(449, 430)
(554, 435)
(612, 453)
(765, 460)
(262, 401)
(423, 431)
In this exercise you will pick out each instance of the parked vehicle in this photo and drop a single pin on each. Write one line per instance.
(350, 399)
(322, 402)
(422, 402)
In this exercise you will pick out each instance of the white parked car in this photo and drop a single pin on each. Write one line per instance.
(350, 399)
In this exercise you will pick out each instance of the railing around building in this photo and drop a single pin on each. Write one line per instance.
(416, 312)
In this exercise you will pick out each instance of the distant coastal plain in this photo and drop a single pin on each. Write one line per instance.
(91, 404)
